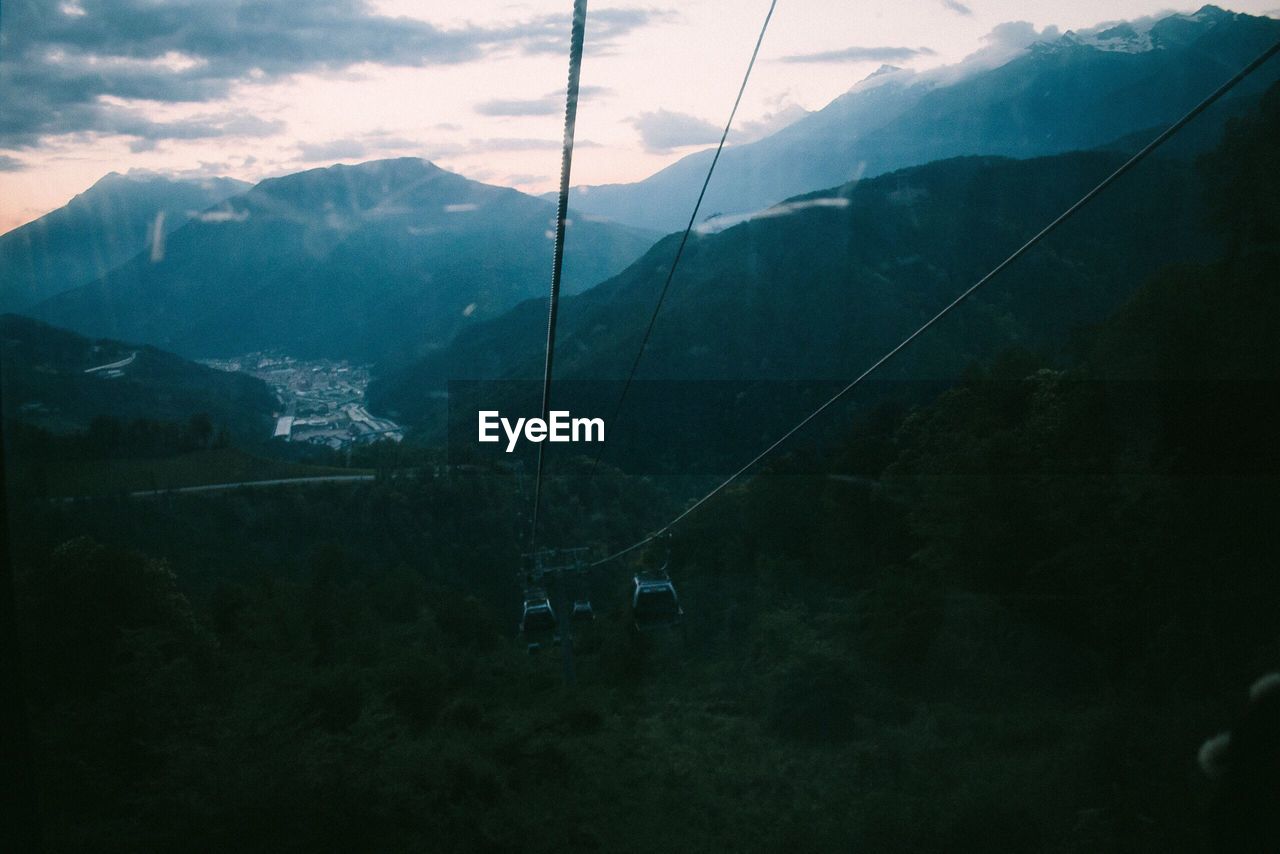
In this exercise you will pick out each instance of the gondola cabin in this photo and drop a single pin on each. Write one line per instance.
(582, 611)
(537, 616)
(655, 603)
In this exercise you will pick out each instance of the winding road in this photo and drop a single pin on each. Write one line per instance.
(281, 481)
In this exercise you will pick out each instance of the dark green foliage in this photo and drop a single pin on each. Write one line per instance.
(816, 700)
(108, 438)
(1247, 170)
(100, 610)
(45, 383)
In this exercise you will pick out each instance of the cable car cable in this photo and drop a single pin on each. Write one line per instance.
(562, 207)
(1133, 161)
(684, 238)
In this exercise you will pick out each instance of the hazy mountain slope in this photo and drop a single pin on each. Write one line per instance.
(1199, 137)
(48, 378)
(363, 262)
(796, 159)
(821, 286)
(98, 230)
(1078, 92)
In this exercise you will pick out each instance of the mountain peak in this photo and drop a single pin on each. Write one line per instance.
(110, 179)
(880, 76)
(389, 164)
(1210, 13)
(381, 175)
(147, 177)
(1112, 38)
(1142, 35)
(394, 163)
(882, 70)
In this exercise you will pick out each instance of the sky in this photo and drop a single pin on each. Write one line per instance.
(257, 88)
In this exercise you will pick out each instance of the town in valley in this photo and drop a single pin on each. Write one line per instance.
(322, 401)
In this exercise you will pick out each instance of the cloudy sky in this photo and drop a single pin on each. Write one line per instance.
(254, 88)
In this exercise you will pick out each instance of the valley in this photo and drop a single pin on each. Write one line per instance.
(321, 401)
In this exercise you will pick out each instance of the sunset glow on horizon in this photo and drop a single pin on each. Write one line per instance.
(254, 90)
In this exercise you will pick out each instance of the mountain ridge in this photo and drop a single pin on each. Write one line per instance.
(366, 261)
(1074, 92)
(60, 380)
(98, 229)
(820, 289)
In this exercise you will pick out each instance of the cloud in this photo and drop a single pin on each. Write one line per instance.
(663, 130)
(1007, 40)
(716, 224)
(861, 54)
(334, 149)
(548, 105)
(957, 7)
(768, 123)
(455, 148)
(1018, 35)
(593, 92)
(372, 145)
(65, 69)
(510, 143)
(515, 107)
(146, 132)
(1003, 43)
(517, 143)
(11, 164)
(445, 150)
(550, 33)
(223, 214)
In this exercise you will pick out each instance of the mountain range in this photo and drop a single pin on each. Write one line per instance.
(815, 289)
(101, 228)
(366, 262)
(1078, 91)
(437, 277)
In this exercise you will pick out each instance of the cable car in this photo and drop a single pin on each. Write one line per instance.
(538, 616)
(582, 611)
(655, 603)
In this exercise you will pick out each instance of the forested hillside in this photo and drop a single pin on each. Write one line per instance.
(63, 381)
(770, 315)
